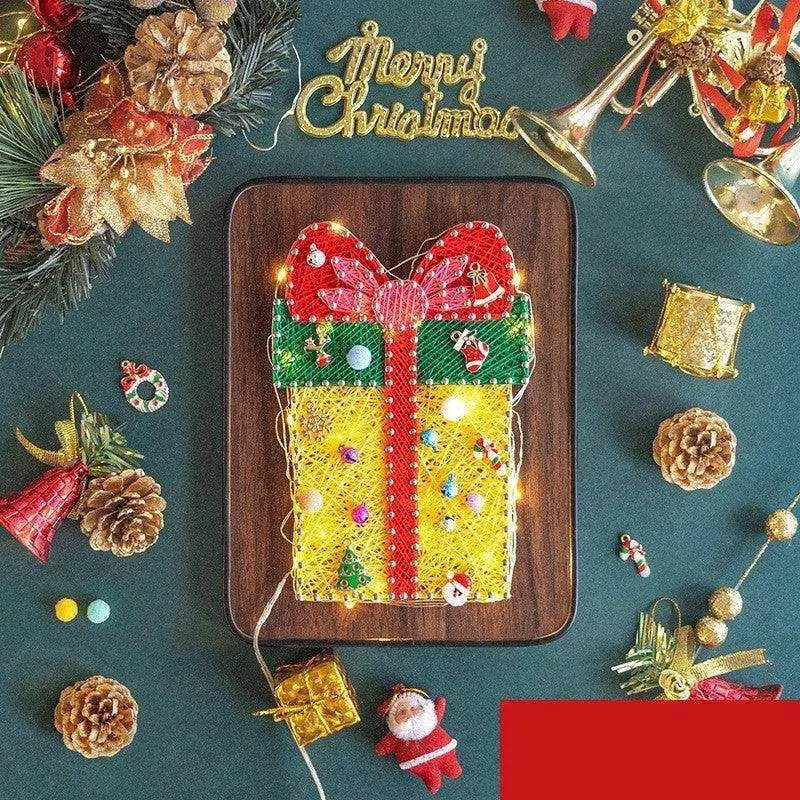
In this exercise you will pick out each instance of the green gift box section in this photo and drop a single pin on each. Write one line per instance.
(508, 362)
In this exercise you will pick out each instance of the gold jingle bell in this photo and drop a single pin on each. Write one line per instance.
(725, 603)
(711, 632)
(781, 525)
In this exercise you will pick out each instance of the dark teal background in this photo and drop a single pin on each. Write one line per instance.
(168, 638)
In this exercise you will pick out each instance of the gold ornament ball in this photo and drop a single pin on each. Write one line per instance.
(781, 525)
(725, 603)
(711, 632)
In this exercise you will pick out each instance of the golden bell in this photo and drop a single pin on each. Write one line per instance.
(757, 198)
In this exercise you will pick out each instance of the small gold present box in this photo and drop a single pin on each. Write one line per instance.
(763, 102)
(699, 331)
(315, 699)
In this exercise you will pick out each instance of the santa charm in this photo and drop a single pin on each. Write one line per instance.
(416, 737)
(456, 591)
(471, 347)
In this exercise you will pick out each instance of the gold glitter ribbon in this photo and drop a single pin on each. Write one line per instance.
(683, 674)
(67, 435)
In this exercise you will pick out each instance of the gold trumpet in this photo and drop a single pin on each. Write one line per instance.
(562, 137)
(757, 198)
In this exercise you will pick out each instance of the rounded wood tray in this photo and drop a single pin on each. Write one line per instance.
(394, 217)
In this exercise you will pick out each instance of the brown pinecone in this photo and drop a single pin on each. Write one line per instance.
(695, 53)
(178, 65)
(769, 68)
(96, 717)
(695, 449)
(122, 513)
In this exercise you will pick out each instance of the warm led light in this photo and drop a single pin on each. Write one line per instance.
(350, 602)
(454, 408)
(517, 279)
(21, 23)
(281, 275)
(337, 227)
(518, 493)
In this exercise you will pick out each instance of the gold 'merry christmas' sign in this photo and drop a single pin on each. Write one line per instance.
(373, 58)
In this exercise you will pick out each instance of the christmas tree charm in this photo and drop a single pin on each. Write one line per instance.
(351, 572)
(416, 738)
(88, 448)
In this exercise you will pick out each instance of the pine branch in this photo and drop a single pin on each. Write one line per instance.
(259, 37)
(28, 136)
(117, 20)
(55, 280)
(105, 450)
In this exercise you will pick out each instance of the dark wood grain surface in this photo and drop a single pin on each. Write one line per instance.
(393, 218)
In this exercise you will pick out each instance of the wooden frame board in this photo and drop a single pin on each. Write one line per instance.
(394, 217)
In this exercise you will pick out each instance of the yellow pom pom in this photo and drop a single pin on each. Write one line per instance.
(711, 632)
(781, 525)
(66, 609)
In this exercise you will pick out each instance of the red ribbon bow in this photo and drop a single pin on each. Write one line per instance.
(131, 371)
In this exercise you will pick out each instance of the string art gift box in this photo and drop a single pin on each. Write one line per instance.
(399, 416)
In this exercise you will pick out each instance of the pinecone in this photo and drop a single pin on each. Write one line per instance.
(695, 449)
(769, 68)
(96, 717)
(178, 65)
(695, 53)
(122, 513)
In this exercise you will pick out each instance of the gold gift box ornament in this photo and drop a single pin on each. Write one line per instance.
(315, 699)
(699, 331)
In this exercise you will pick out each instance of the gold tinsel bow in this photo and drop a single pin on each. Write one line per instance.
(682, 675)
(67, 435)
(664, 661)
(681, 20)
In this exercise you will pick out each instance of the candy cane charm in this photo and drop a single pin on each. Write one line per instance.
(486, 448)
(630, 549)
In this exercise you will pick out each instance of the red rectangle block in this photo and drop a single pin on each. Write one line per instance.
(652, 749)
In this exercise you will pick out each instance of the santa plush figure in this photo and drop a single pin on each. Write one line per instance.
(569, 17)
(416, 737)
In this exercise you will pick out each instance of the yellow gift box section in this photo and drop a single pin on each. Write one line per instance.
(321, 419)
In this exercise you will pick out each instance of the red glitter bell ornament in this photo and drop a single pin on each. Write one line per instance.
(87, 446)
(49, 64)
(34, 515)
(55, 15)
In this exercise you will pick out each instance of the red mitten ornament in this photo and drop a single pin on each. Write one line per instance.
(420, 745)
(569, 16)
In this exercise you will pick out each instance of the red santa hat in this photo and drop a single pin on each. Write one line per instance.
(461, 580)
(398, 689)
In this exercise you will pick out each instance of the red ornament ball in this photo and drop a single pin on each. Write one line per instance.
(56, 15)
(49, 64)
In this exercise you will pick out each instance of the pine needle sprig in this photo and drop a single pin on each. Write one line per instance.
(259, 38)
(29, 135)
(55, 280)
(105, 450)
(117, 20)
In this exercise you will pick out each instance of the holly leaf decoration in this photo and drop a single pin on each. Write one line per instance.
(650, 655)
(105, 450)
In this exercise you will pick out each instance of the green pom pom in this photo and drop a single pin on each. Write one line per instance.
(98, 611)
